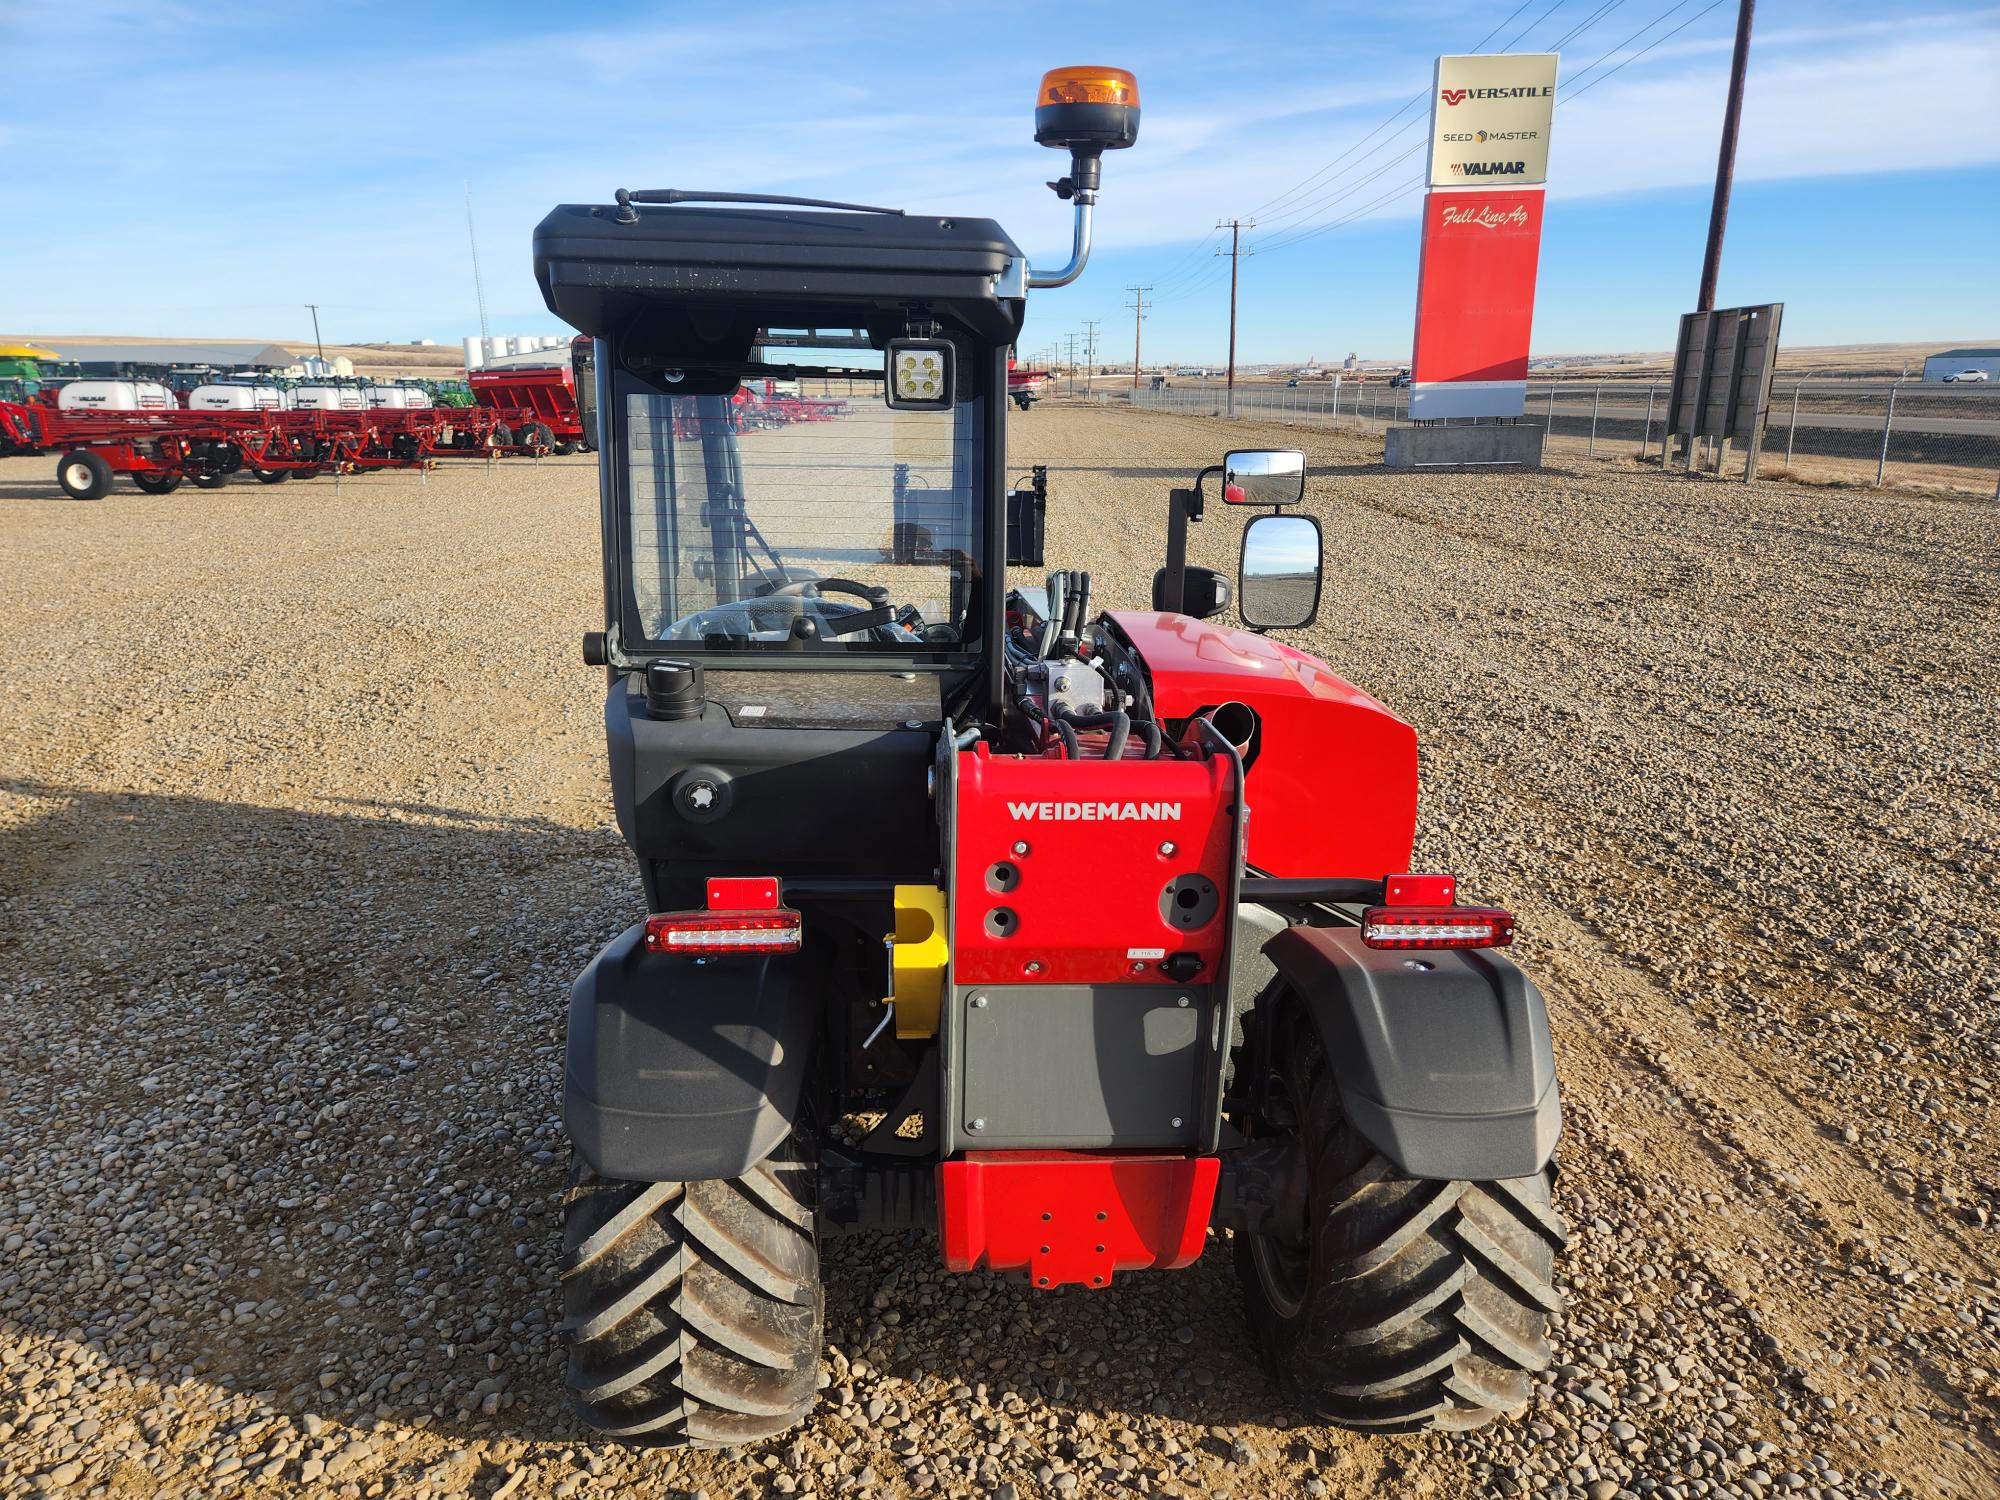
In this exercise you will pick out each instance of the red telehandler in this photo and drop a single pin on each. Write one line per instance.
(1098, 928)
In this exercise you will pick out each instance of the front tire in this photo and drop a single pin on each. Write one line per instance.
(694, 1311)
(84, 475)
(1413, 1304)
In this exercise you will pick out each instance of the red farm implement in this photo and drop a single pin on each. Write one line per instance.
(160, 449)
(533, 402)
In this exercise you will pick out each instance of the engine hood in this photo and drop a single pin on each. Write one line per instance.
(1332, 773)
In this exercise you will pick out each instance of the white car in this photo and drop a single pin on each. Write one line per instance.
(1964, 377)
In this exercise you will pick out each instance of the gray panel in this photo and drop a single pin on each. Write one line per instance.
(1081, 1066)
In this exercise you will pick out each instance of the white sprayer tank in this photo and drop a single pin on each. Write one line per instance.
(115, 395)
(236, 398)
(328, 398)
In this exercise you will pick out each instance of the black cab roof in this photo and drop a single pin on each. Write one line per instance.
(792, 267)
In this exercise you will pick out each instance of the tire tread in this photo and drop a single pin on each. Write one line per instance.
(693, 1310)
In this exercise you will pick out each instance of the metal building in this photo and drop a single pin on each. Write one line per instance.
(1951, 361)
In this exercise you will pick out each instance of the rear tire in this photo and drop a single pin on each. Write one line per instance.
(694, 1310)
(83, 475)
(208, 481)
(1417, 1304)
(157, 484)
(272, 476)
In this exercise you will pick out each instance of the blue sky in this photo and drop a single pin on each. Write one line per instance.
(171, 167)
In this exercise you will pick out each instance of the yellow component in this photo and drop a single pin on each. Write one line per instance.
(918, 953)
(1081, 85)
(27, 351)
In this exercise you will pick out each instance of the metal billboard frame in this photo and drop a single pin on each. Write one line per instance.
(1721, 388)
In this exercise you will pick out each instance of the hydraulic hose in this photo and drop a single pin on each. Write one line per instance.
(1052, 626)
(1121, 731)
(1116, 720)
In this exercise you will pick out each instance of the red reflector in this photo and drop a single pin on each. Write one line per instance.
(1415, 890)
(743, 893)
(723, 932)
(1437, 927)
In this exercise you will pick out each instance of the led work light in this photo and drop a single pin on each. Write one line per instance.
(919, 375)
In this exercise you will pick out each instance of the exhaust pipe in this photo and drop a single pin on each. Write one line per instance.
(1235, 722)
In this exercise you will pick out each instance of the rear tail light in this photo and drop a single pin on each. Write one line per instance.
(711, 932)
(1437, 927)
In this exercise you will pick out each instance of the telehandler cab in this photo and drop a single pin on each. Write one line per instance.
(1106, 918)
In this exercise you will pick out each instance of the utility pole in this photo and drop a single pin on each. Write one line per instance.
(316, 343)
(1236, 252)
(1725, 161)
(1138, 306)
(1090, 356)
(1070, 340)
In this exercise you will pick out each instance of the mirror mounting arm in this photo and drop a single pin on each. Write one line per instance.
(1182, 506)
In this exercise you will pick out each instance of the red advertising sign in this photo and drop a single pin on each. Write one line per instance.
(1475, 302)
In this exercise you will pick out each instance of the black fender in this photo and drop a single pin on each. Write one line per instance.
(1442, 1057)
(680, 1069)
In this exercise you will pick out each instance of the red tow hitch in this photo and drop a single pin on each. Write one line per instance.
(1073, 1216)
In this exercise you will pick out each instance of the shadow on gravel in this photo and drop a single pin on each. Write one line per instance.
(47, 490)
(283, 1118)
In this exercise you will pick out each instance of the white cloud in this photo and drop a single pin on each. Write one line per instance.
(1872, 107)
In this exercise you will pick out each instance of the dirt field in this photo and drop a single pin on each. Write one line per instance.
(304, 831)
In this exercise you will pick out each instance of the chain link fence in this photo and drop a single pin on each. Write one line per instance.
(1827, 430)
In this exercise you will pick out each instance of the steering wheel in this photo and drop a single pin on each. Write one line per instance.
(809, 588)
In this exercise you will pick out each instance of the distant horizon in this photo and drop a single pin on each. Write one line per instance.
(455, 347)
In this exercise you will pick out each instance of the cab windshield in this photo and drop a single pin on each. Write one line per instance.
(798, 513)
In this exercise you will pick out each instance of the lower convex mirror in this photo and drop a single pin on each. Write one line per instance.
(1263, 476)
(1277, 583)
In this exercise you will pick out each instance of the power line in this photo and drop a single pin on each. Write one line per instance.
(1511, 42)
(1341, 194)
(1301, 232)
(478, 287)
(1416, 184)
(1411, 103)
(1664, 36)
(1585, 24)
(1194, 259)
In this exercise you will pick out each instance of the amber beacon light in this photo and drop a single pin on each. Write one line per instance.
(1087, 110)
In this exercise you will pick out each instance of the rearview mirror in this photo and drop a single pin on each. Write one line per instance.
(1263, 476)
(1277, 582)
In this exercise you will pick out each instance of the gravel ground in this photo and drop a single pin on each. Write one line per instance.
(303, 832)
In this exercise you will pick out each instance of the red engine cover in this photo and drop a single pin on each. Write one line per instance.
(1333, 779)
(1073, 871)
(1073, 1217)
